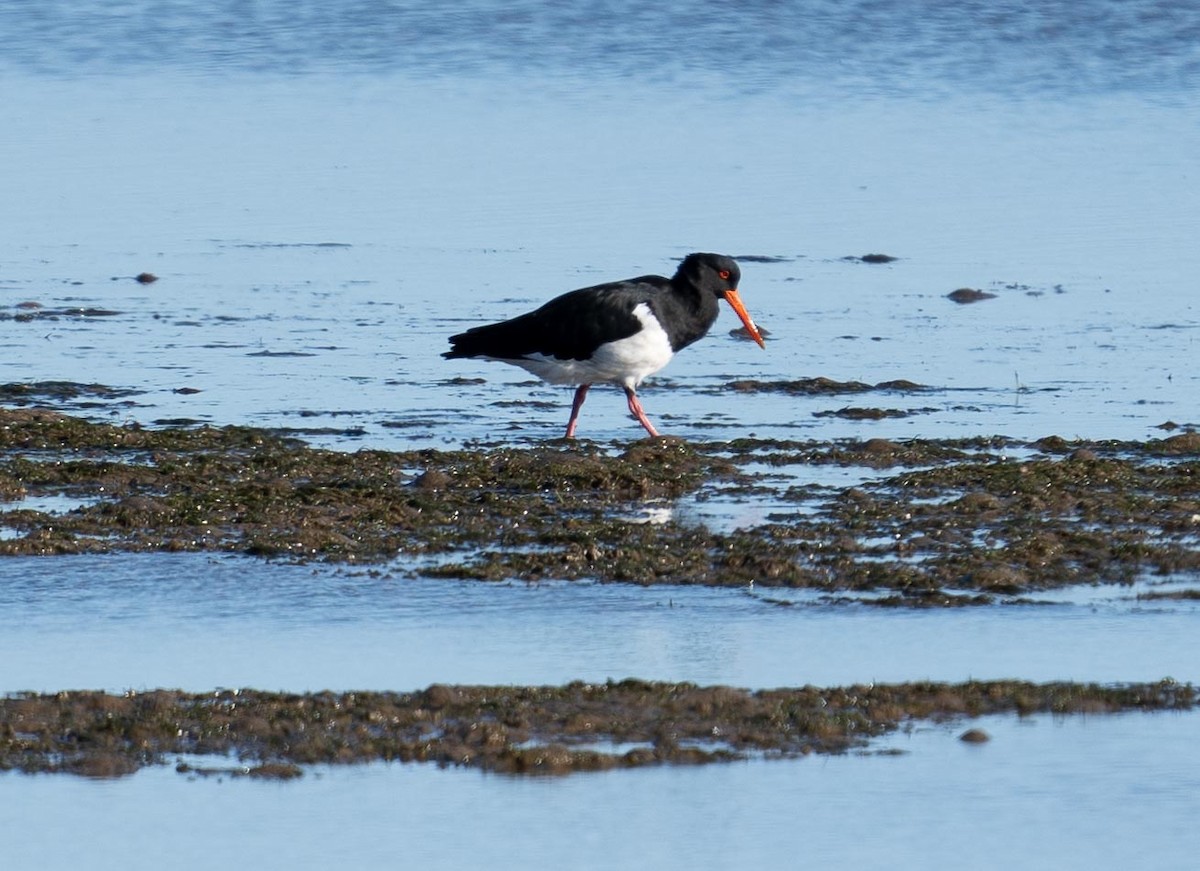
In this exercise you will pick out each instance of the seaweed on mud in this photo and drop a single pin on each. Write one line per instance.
(859, 413)
(821, 386)
(547, 730)
(930, 522)
(25, 393)
(29, 312)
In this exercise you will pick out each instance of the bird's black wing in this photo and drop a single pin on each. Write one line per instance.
(568, 327)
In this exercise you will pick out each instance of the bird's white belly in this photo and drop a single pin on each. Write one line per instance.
(625, 362)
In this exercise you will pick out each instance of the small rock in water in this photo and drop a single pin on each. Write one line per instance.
(743, 333)
(975, 736)
(965, 295)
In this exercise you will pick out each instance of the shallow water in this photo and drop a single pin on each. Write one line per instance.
(326, 193)
(197, 622)
(447, 209)
(1080, 792)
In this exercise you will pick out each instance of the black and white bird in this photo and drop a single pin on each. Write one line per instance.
(617, 333)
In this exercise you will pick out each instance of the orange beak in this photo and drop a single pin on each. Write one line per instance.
(735, 302)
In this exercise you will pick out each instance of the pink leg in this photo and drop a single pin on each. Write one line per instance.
(635, 408)
(580, 395)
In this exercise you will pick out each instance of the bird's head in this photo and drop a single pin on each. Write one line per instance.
(719, 275)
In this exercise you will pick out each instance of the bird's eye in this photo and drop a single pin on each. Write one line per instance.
(724, 273)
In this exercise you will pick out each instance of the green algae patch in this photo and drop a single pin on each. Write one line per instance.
(548, 730)
(909, 523)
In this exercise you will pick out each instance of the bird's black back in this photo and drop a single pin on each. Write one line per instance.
(572, 326)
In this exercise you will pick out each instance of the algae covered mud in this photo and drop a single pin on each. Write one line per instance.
(511, 729)
(918, 523)
(910, 523)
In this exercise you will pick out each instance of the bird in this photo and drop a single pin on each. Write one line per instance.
(616, 333)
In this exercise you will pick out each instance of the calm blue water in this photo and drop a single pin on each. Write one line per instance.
(328, 190)
(1072, 794)
(814, 48)
(194, 621)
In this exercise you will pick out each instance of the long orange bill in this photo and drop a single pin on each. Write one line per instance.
(735, 302)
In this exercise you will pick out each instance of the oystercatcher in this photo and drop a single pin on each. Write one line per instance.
(618, 332)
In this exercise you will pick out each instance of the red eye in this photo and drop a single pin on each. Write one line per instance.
(724, 273)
